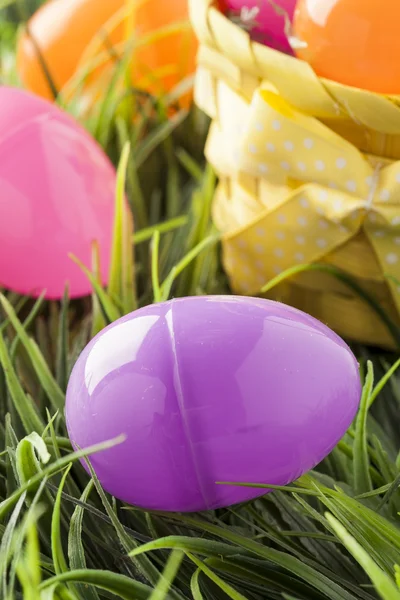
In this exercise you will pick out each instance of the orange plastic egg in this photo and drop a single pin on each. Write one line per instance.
(71, 36)
(354, 42)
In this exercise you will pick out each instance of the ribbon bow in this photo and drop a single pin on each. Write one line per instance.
(318, 191)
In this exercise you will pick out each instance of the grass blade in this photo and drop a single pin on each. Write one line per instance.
(229, 590)
(24, 406)
(195, 586)
(166, 227)
(110, 310)
(121, 279)
(52, 469)
(120, 585)
(393, 329)
(384, 585)
(76, 552)
(60, 564)
(328, 588)
(362, 477)
(155, 278)
(186, 260)
(62, 344)
(160, 592)
(384, 380)
(39, 364)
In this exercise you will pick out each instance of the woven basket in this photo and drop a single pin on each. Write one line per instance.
(308, 173)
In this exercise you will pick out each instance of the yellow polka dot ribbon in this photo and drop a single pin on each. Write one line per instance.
(319, 191)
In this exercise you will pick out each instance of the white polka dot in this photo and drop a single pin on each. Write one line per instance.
(260, 264)
(351, 186)
(277, 270)
(242, 244)
(392, 258)
(398, 177)
(343, 229)
(369, 180)
(300, 239)
(270, 147)
(285, 165)
(354, 216)
(323, 195)
(261, 279)
(276, 125)
(319, 165)
(333, 185)
(280, 235)
(395, 220)
(371, 217)
(279, 253)
(301, 166)
(321, 243)
(259, 126)
(299, 256)
(260, 231)
(338, 204)
(240, 128)
(384, 195)
(397, 241)
(341, 163)
(281, 218)
(302, 221)
(289, 146)
(263, 168)
(236, 155)
(308, 143)
(320, 210)
(259, 249)
(253, 148)
(304, 202)
(379, 234)
(246, 270)
(322, 224)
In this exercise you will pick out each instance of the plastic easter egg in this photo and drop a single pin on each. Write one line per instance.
(57, 191)
(69, 34)
(353, 42)
(266, 20)
(206, 390)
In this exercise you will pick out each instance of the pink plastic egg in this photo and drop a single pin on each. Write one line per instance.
(57, 191)
(266, 20)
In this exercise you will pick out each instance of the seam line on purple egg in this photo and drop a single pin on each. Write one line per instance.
(169, 317)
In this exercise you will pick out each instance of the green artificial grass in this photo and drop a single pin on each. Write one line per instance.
(334, 534)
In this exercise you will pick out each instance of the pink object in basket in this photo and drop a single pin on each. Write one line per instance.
(265, 19)
(56, 197)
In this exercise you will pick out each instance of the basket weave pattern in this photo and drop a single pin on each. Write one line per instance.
(309, 172)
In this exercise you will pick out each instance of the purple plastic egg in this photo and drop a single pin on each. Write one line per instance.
(210, 389)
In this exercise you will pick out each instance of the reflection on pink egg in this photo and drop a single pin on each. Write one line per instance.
(57, 192)
(267, 17)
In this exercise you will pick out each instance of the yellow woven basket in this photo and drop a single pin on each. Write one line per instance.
(309, 172)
